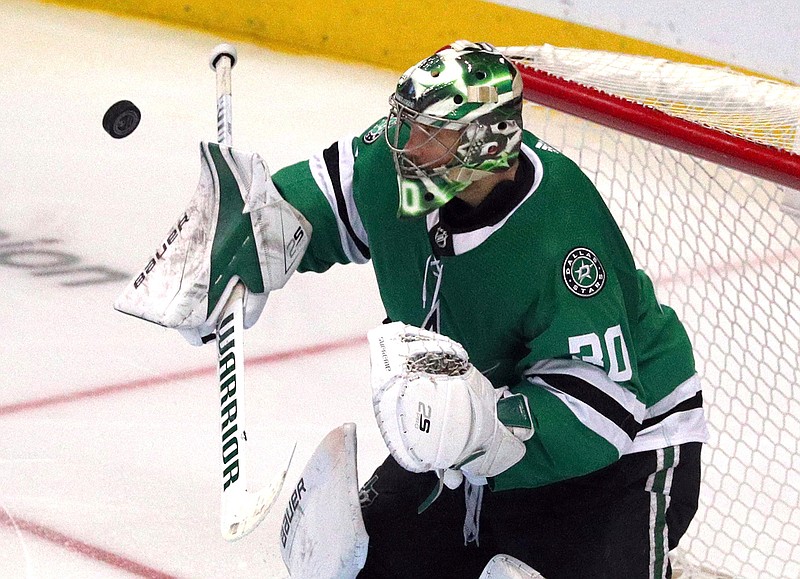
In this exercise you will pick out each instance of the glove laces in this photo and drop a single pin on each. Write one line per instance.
(473, 498)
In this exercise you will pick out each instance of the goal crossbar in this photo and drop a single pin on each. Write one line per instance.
(653, 125)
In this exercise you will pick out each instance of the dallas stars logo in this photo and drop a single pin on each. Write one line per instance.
(583, 273)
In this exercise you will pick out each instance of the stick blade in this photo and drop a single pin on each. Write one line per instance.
(244, 511)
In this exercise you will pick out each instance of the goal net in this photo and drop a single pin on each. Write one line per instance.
(699, 165)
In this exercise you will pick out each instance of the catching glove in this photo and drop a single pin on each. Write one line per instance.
(436, 411)
(237, 228)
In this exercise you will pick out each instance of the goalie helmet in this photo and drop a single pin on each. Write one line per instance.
(466, 102)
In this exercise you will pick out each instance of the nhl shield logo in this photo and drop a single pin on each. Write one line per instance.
(583, 273)
(441, 237)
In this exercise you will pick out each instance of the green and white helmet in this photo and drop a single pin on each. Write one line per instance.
(466, 87)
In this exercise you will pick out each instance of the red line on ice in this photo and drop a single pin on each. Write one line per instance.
(77, 546)
(313, 350)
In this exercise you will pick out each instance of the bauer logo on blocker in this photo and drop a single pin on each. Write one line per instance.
(583, 273)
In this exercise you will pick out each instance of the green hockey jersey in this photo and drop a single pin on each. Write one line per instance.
(538, 285)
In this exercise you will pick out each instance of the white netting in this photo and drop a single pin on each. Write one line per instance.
(757, 109)
(721, 248)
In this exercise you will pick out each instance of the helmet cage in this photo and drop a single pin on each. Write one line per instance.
(486, 145)
(398, 130)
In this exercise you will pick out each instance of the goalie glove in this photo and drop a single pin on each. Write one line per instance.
(237, 228)
(436, 411)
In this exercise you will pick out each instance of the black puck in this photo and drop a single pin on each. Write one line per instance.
(121, 119)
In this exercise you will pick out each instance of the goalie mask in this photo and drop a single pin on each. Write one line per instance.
(455, 118)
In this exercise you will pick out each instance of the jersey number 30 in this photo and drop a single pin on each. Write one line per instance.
(611, 347)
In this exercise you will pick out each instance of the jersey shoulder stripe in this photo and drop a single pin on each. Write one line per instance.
(333, 172)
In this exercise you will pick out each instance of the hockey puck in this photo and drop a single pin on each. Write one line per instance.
(121, 119)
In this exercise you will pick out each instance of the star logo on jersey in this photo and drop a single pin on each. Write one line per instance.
(368, 494)
(375, 131)
(583, 273)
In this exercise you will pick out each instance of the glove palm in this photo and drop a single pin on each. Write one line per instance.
(436, 411)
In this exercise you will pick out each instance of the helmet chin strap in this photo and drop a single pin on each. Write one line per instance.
(464, 175)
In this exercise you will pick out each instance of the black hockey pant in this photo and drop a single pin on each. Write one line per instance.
(618, 523)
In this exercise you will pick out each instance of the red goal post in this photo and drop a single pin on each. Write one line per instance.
(700, 167)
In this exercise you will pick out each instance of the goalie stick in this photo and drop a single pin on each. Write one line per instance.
(241, 509)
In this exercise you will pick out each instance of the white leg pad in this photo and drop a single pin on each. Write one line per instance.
(508, 567)
(322, 533)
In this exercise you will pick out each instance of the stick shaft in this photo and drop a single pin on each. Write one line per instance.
(241, 508)
(230, 358)
(224, 109)
(230, 353)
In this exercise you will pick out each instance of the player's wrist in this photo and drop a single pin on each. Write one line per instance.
(513, 412)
